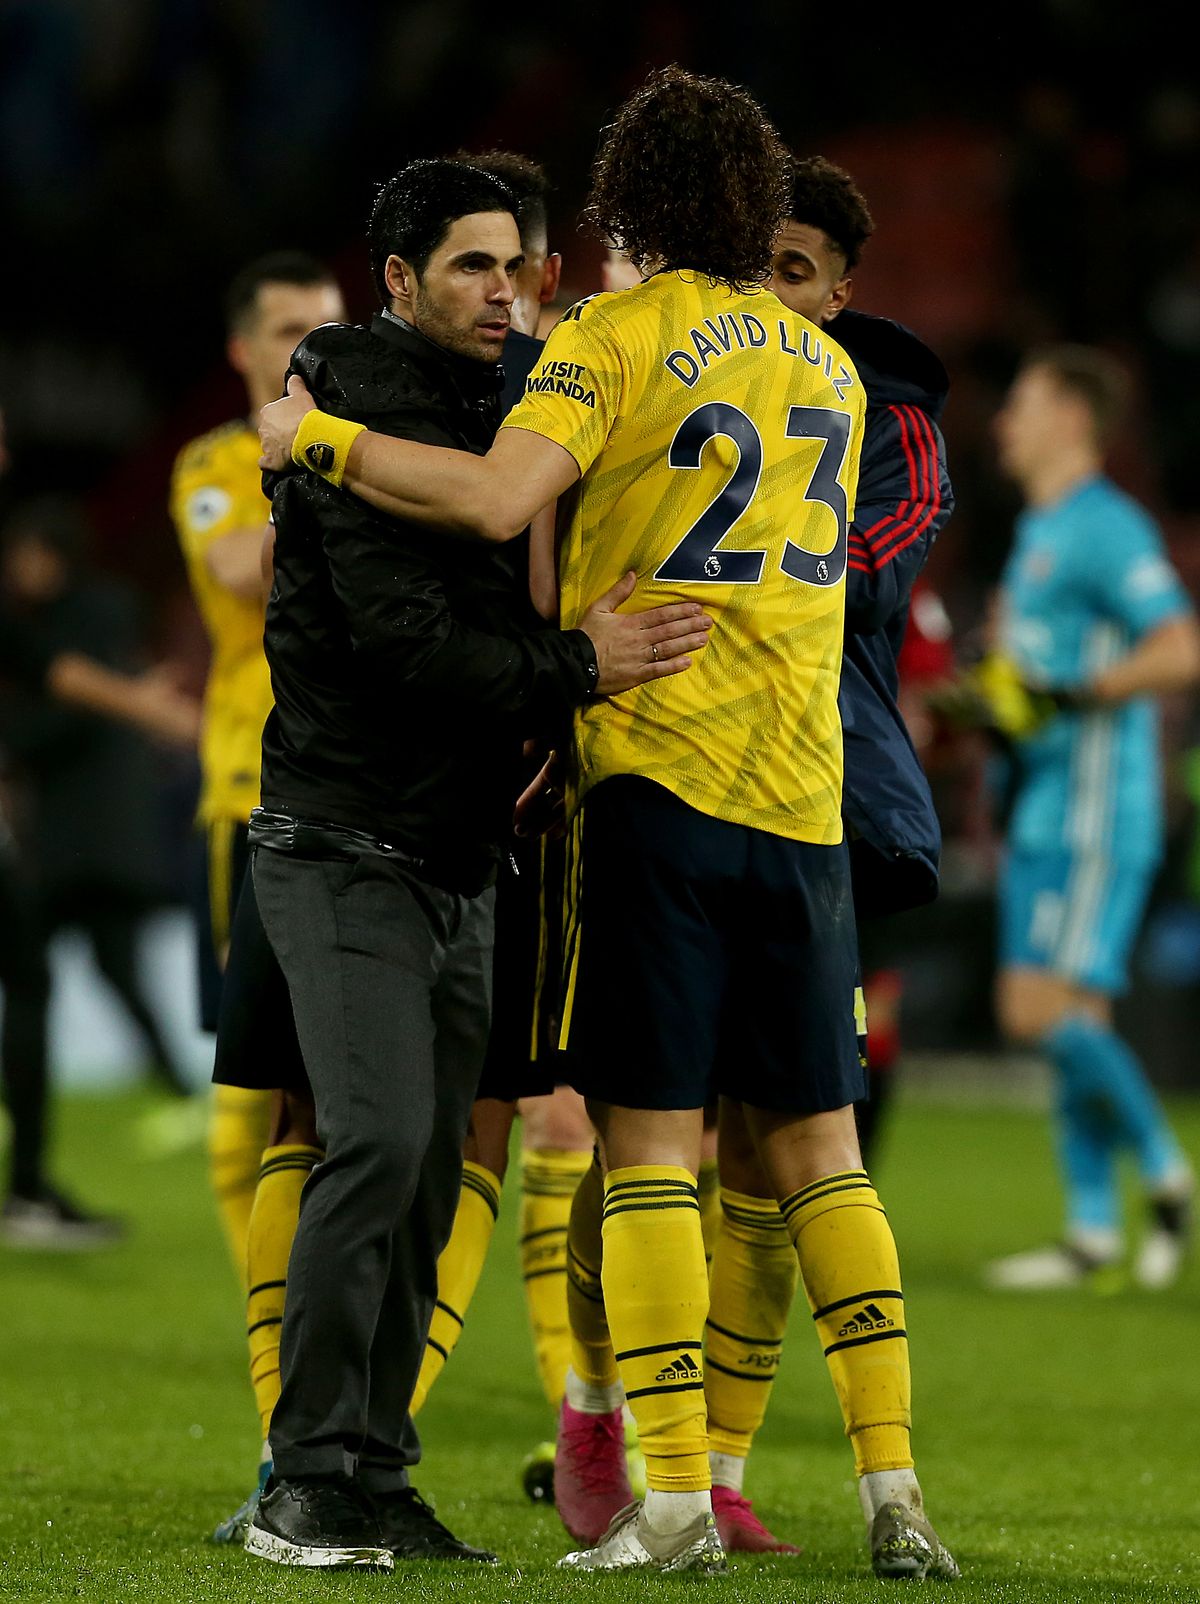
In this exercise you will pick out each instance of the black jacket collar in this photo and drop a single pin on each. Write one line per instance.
(477, 382)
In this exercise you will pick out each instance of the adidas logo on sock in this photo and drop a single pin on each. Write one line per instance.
(681, 1369)
(869, 1318)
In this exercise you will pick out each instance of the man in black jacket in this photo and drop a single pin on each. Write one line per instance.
(407, 672)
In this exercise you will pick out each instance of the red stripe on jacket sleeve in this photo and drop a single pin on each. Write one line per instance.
(890, 544)
(889, 521)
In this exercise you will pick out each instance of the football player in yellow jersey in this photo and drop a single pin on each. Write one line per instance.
(705, 440)
(222, 517)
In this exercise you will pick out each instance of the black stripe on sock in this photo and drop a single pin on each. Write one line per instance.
(659, 1347)
(471, 1184)
(842, 1175)
(653, 1392)
(446, 1309)
(633, 1208)
(554, 1269)
(847, 1303)
(647, 1184)
(711, 1364)
(263, 1286)
(760, 1222)
(550, 1230)
(291, 1161)
(275, 1320)
(583, 1290)
(754, 1342)
(581, 1265)
(652, 1192)
(793, 1205)
(437, 1347)
(858, 1342)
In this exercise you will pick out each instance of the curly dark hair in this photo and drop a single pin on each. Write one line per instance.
(825, 196)
(691, 174)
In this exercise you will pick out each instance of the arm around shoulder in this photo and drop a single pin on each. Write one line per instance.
(491, 498)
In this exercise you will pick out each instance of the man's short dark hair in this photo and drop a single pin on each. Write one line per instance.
(691, 174)
(825, 196)
(1098, 379)
(414, 211)
(528, 182)
(279, 267)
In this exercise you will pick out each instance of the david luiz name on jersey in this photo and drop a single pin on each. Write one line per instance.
(741, 331)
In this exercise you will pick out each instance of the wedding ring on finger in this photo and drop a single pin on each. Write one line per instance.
(654, 652)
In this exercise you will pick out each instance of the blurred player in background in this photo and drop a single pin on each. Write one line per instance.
(1096, 624)
(68, 725)
(222, 516)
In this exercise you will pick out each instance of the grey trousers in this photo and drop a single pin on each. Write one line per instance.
(390, 981)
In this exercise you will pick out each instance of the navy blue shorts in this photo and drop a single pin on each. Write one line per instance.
(706, 958)
(257, 1045)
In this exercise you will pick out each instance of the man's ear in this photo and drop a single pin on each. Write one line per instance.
(401, 278)
(839, 297)
(551, 274)
(237, 354)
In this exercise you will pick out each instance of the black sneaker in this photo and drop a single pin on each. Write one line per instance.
(412, 1531)
(317, 1524)
(48, 1221)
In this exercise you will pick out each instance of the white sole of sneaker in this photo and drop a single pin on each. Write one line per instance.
(280, 1552)
(56, 1241)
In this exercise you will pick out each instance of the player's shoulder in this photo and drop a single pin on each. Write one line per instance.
(332, 340)
(216, 452)
(1100, 506)
(363, 371)
(592, 310)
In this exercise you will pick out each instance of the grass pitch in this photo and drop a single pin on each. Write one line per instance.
(1055, 1434)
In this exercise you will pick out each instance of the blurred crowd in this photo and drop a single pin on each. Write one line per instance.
(1032, 183)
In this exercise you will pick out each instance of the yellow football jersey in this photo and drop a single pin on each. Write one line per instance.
(216, 487)
(718, 436)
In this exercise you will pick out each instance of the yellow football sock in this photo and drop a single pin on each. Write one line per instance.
(459, 1269)
(656, 1293)
(237, 1134)
(708, 1185)
(751, 1287)
(281, 1179)
(852, 1275)
(549, 1177)
(592, 1357)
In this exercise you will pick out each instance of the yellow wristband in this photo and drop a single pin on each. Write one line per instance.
(322, 444)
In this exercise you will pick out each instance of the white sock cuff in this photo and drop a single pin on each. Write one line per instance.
(588, 1399)
(667, 1513)
(879, 1487)
(727, 1470)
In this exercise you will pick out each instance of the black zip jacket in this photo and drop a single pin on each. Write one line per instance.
(904, 499)
(407, 664)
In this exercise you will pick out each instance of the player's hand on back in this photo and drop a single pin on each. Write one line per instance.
(634, 648)
(278, 422)
(541, 806)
